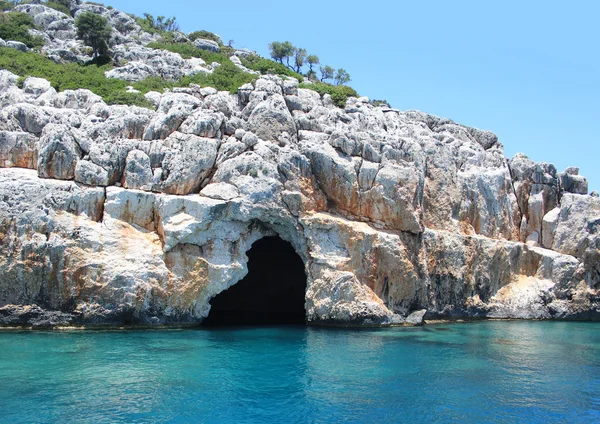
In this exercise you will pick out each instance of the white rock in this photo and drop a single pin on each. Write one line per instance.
(36, 86)
(59, 152)
(17, 45)
(209, 45)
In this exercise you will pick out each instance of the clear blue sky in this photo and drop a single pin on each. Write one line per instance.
(527, 70)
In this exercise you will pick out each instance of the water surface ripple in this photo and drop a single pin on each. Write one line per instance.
(492, 372)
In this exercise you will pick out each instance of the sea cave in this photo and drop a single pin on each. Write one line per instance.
(272, 293)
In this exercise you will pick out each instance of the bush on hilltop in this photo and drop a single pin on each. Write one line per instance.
(339, 93)
(95, 31)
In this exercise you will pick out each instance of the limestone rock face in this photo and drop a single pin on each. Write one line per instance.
(209, 45)
(113, 214)
(59, 152)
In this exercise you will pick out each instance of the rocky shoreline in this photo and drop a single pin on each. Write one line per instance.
(119, 214)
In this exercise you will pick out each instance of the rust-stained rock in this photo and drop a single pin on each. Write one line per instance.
(395, 215)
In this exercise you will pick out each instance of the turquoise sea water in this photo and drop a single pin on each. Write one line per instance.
(492, 372)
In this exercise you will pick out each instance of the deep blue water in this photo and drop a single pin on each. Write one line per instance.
(492, 372)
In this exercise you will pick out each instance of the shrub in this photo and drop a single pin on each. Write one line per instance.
(153, 84)
(125, 98)
(69, 76)
(159, 24)
(266, 66)
(5, 5)
(95, 31)
(16, 26)
(339, 93)
(376, 102)
(226, 77)
(58, 6)
(72, 76)
(187, 50)
(207, 35)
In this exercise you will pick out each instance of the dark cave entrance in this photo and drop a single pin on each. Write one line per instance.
(272, 293)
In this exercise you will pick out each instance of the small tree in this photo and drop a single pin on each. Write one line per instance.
(327, 72)
(280, 51)
(342, 77)
(312, 60)
(160, 24)
(167, 24)
(94, 30)
(299, 58)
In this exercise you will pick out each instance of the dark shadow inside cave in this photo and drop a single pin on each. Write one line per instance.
(272, 293)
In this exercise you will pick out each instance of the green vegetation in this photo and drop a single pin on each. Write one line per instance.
(158, 25)
(207, 35)
(376, 102)
(339, 93)
(95, 31)
(5, 5)
(72, 76)
(299, 57)
(226, 77)
(16, 25)
(266, 66)
(327, 72)
(59, 5)
(69, 76)
(341, 77)
(188, 50)
(282, 50)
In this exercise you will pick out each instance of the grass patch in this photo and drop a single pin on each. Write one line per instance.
(339, 93)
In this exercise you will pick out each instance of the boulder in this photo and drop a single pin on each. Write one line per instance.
(416, 317)
(17, 45)
(58, 152)
(132, 72)
(77, 99)
(203, 123)
(188, 161)
(7, 79)
(18, 149)
(210, 45)
(138, 173)
(572, 182)
(89, 173)
(271, 120)
(36, 86)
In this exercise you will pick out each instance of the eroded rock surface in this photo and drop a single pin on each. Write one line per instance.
(114, 214)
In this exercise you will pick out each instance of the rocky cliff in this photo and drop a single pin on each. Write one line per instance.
(112, 214)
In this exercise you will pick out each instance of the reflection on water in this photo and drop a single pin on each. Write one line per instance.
(500, 372)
